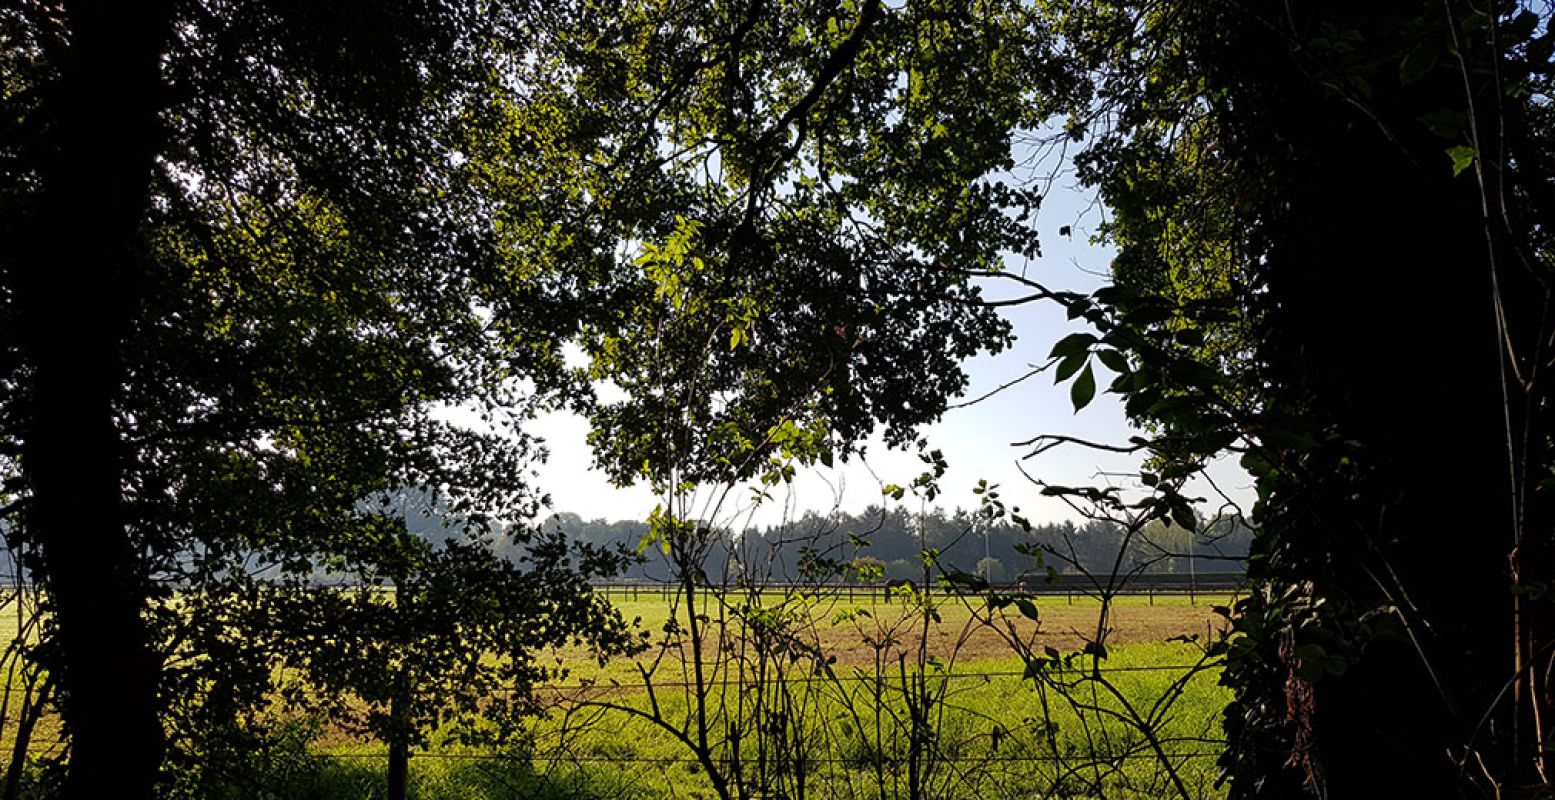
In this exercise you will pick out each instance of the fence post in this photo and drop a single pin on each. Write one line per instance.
(399, 750)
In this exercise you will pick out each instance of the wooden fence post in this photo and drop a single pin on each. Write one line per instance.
(399, 768)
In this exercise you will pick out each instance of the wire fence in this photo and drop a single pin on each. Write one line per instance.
(608, 683)
(1148, 586)
(1203, 747)
(674, 760)
(556, 694)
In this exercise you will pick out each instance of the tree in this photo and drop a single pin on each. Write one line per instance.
(313, 227)
(792, 204)
(1283, 177)
(247, 260)
(990, 569)
(67, 341)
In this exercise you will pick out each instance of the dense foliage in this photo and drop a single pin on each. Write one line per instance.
(789, 204)
(282, 279)
(1328, 218)
(315, 232)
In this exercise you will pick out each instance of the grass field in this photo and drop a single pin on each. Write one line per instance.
(902, 705)
(988, 731)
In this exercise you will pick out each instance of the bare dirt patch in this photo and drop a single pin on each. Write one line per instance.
(1066, 628)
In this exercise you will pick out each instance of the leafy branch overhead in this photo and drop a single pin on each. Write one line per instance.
(795, 215)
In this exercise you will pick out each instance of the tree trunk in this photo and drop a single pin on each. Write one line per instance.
(399, 768)
(1379, 304)
(77, 291)
(400, 730)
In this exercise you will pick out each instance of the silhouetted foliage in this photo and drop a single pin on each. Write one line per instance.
(1283, 179)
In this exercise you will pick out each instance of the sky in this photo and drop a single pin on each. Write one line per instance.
(978, 441)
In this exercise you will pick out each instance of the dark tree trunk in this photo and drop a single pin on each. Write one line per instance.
(79, 267)
(401, 730)
(399, 768)
(1382, 333)
(1385, 316)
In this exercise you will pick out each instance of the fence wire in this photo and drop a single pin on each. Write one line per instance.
(674, 760)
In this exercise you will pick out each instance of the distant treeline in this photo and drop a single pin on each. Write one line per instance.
(892, 541)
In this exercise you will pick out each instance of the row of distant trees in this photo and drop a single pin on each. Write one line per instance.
(893, 539)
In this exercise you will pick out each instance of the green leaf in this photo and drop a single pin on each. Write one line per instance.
(1475, 22)
(1190, 337)
(1027, 608)
(1072, 345)
(1084, 389)
(1312, 660)
(1256, 465)
(1148, 315)
(1114, 360)
(1069, 366)
(1182, 515)
(1417, 64)
(1462, 158)
(1446, 122)
(1113, 295)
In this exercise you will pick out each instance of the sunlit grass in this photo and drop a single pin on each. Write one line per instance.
(996, 735)
(995, 732)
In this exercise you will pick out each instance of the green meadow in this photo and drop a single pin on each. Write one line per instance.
(1143, 722)
(899, 704)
